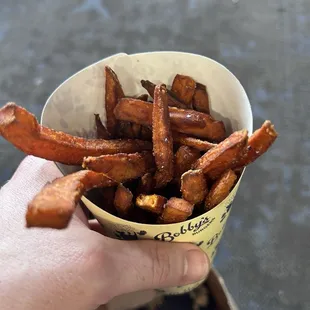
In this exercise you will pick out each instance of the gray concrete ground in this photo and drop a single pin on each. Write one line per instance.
(265, 253)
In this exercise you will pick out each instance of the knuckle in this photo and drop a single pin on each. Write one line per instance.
(161, 264)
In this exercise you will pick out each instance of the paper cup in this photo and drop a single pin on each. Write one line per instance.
(71, 109)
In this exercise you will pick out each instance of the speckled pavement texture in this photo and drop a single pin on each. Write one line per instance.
(265, 253)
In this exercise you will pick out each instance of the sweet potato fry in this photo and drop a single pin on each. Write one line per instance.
(162, 138)
(121, 167)
(21, 128)
(55, 204)
(195, 143)
(172, 100)
(184, 158)
(101, 131)
(224, 155)
(220, 189)
(146, 184)
(143, 97)
(123, 201)
(201, 99)
(259, 142)
(194, 186)
(176, 210)
(152, 203)
(113, 92)
(197, 124)
(186, 121)
(183, 87)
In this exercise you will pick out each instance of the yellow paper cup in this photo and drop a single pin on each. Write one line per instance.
(72, 106)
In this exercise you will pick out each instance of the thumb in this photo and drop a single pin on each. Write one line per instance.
(143, 265)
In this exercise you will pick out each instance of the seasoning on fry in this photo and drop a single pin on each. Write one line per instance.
(224, 155)
(185, 121)
(194, 186)
(176, 210)
(220, 189)
(55, 204)
(123, 200)
(21, 128)
(184, 88)
(162, 138)
(195, 143)
(121, 167)
(152, 203)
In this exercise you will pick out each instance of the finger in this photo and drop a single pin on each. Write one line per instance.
(141, 265)
(95, 226)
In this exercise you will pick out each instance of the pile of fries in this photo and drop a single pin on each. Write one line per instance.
(161, 158)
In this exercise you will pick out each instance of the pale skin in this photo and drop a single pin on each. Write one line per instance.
(79, 268)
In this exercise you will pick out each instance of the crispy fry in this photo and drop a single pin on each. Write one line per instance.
(183, 87)
(146, 184)
(162, 138)
(172, 100)
(195, 143)
(123, 201)
(176, 210)
(223, 156)
(113, 92)
(259, 142)
(55, 204)
(197, 124)
(121, 167)
(143, 97)
(102, 132)
(201, 99)
(186, 121)
(152, 203)
(184, 158)
(220, 189)
(21, 128)
(194, 186)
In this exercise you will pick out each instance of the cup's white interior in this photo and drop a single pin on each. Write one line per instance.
(72, 105)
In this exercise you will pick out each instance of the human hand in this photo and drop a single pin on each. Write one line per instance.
(78, 268)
